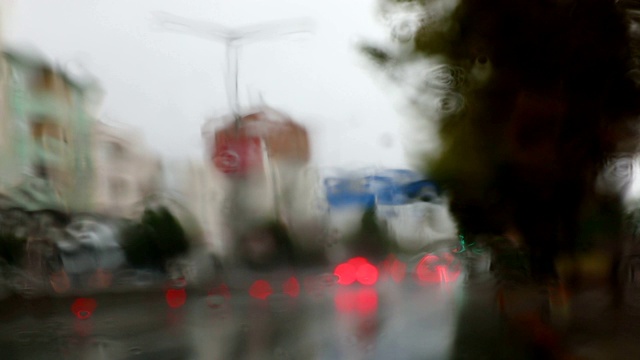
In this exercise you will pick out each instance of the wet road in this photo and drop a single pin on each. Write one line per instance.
(355, 322)
(386, 321)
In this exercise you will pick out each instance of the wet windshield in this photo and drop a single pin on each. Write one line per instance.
(360, 179)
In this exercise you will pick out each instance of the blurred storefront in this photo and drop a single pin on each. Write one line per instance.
(412, 208)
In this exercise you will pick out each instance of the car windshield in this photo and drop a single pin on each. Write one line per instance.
(319, 179)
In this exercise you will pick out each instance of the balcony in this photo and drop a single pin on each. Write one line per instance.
(47, 106)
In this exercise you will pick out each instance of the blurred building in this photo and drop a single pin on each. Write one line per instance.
(126, 171)
(209, 197)
(204, 189)
(262, 152)
(45, 142)
(410, 206)
(245, 146)
(264, 156)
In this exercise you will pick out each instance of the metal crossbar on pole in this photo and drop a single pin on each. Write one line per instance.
(233, 40)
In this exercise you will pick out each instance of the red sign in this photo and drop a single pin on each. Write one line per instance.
(237, 155)
(238, 147)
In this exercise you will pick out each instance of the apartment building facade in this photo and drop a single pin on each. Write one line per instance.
(45, 142)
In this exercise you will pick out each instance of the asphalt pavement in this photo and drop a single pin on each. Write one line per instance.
(351, 322)
(455, 320)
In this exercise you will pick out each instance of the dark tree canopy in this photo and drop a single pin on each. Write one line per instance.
(12, 248)
(534, 97)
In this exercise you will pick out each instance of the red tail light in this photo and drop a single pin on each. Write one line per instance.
(260, 289)
(176, 297)
(367, 274)
(356, 269)
(291, 287)
(357, 261)
(83, 308)
(346, 273)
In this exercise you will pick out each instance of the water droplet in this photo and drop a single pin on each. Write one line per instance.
(215, 301)
(329, 280)
(26, 336)
(83, 308)
(450, 103)
(135, 351)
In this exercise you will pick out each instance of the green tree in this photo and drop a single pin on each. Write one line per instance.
(371, 239)
(156, 239)
(12, 248)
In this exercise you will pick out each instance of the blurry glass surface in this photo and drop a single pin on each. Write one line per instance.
(141, 218)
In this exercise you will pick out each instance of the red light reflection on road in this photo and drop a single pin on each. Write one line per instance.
(364, 301)
(291, 287)
(367, 301)
(344, 301)
(260, 289)
(176, 297)
(83, 308)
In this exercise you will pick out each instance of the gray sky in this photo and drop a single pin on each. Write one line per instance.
(168, 83)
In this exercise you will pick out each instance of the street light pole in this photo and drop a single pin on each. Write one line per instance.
(233, 40)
